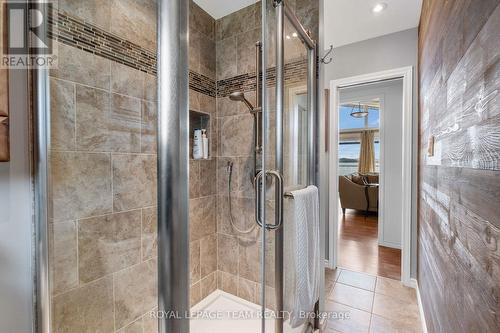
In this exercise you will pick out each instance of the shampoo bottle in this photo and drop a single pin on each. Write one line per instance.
(197, 145)
(205, 143)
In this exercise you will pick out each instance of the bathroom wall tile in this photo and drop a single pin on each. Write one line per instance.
(81, 185)
(135, 292)
(214, 136)
(132, 82)
(245, 46)
(236, 135)
(208, 255)
(223, 175)
(135, 327)
(96, 12)
(107, 123)
(227, 254)
(243, 20)
(134, 181)
(208, 284)
(149, 125)
(194, 179)
(194, 100)
(85, 309)
(227, 107)
(194, 50)
(207, 57)
(194, 261)
(150, 323)
(246, 174)
(247, 290)
(107, 244)
(208, 177)
(195, 294)
(249, 260)
(226, 58)
(82, 67)
(207, 103)
(202, 217)
(149, 234)
(201, 21)
(135, 21)
(227, 282)
(62, 104)
(243, 215)
(63, 255)
(308, 14)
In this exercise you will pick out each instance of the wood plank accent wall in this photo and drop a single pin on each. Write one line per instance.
(459, 187)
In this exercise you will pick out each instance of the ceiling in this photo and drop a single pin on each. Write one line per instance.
(351, 21)
(346, 21)
(221, 8)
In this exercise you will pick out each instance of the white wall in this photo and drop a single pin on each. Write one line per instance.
(391, 162)
(373, 55)
(16, 301)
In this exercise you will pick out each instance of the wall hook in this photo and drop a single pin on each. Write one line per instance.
(323, 59)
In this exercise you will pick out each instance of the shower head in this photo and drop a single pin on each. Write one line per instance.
(239, 96)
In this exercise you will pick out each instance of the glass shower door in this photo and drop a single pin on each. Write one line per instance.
(288, 154)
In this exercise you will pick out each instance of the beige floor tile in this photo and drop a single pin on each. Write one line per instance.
(393, 308)
(349, 320)
(329, 284)
(359, 280)
(332, 274)
(396, 289)
(383, 325)
(357, 298)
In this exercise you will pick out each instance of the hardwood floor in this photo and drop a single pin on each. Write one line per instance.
(359, 250)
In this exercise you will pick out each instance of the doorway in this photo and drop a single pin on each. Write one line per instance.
(370, 174)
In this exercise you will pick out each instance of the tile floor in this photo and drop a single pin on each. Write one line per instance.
(375, 304)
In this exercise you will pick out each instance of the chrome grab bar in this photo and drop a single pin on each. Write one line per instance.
(279, 198)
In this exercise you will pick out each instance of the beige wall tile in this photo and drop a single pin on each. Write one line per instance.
(149, 233)
(134, 181)
(227, 254)
(194, 261)
(247, 290)
(207, 103)
(82, 67)
(208, 177)
(249, 260)
(236, 135)
(208, 255)
(109, 243)
(194, 179)
(150, 323)
(135, 21)
(226, 58)
(135, 327)
(81, 185)
(207, 57)
(149, 125)
(246, 50)
(195, 294)
(243, 20)
(135, 291)
(132, 82)
(62, 104)
(227, 282)
(202, 217)
(85, 309)
(208, 284)
(96, 12)
(242, 213)
(64, 257)
(201, 21)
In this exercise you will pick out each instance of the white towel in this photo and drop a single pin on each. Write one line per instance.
(301, 254)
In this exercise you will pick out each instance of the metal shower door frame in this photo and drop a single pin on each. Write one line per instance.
(282, 11)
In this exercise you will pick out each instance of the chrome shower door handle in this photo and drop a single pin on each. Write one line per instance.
(258, 189)
(279, 196)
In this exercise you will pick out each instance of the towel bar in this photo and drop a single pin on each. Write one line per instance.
(289, 194)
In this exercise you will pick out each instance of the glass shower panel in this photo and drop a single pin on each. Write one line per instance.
(102, 167)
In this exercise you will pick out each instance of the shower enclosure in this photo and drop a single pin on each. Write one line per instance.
(132, 232)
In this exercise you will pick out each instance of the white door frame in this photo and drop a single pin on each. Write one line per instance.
(405, 73)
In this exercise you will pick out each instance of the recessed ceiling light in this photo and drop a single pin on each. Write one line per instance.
(294, 34)
(379, 7)
(288, 37)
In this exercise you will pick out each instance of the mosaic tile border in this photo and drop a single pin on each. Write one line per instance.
(77, 33)
(295, 72)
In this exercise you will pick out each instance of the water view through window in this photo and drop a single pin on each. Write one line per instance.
(349, 143)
